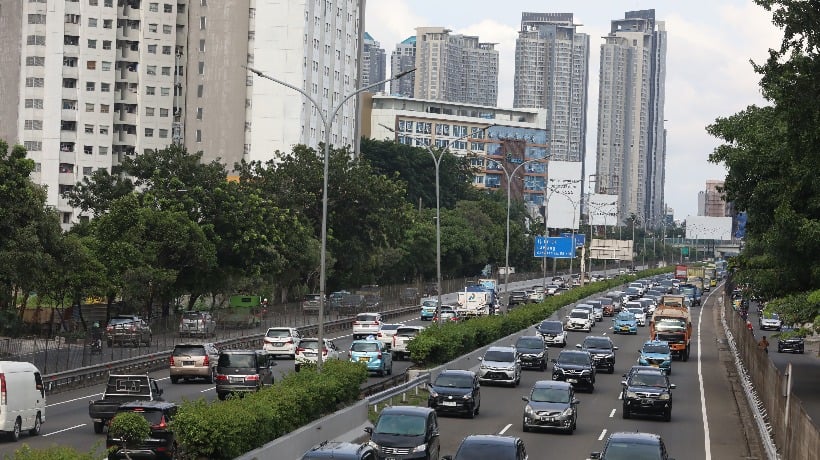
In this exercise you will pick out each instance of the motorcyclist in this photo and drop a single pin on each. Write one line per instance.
(96, 335)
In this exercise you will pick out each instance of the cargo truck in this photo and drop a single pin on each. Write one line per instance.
(474, 301)
(672, 323)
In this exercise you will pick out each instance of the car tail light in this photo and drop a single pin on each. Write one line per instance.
(162, 424)
(379, 334)
(171, 360)
(300, 350)
(3, 389)
(375, 323)
(207, 361)
(379, 355)
(290, 341)
(394, 340)
(252, 378)
(324, 351)
(221, 378)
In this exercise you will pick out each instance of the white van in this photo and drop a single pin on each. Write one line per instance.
(22, 399)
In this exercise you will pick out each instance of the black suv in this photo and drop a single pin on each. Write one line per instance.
(575, 367)
(341, 451)
(490, 446)
(790, 340)
(633, 444)
(406, 432)
(602, 350)
(161, 443)
(647, 392)
(517, 298)
(242, 371)
(532, 351)
(456, 391)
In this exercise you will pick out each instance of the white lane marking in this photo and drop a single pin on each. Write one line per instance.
(64, 429)
(603, 433)
(73, 400)
(207, 390)
(707, 442)
(612, 414)
(620, 395)
(504, 430)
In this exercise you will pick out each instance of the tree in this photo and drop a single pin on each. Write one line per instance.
(131, 428)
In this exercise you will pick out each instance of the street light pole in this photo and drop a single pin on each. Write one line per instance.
(327, 120)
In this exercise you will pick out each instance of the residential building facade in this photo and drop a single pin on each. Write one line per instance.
(631, 150)
(374, 64)
(402, 59)
(712, 201)
(455, 68)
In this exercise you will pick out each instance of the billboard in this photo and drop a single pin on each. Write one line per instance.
(610, 249)
(603, 209)
(709, 228)
(580, 238)
(564, 194)
(555, 247)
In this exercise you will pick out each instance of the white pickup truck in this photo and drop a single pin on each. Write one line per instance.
(403, 336)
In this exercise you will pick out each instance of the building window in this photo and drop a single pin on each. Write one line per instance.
(105, 66)
(36, 40)
(91, 65)
(153, 7)
(199, 113)
(88, 149)
(104, 129)
(34, 103)
(149, 111)
(103, 108)
(105, 87)
(87, 170)
(150, 90)
(149, 132)
(89, 107)
(166, 70)
(163, 133)
(92, 22)
(90, 85)
(34, 82)
(202, 23)
(167, 29)
(108, 23)
(151, 70)
(102, 150)
(152, 49)
(200, 90)
(201, 68)
(37, 19)
(108, 3)
(106, 44)
(163, 113)
(201, 45)
(198, 135)
(165, 91)
(92, 44)
(89, 129)
(38, 61)
(33, 146)
(168, 8)
(152, 28)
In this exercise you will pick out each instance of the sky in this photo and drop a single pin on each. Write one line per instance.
(708, 73)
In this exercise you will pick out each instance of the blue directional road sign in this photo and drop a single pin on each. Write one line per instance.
(555, 247)
(580, 238)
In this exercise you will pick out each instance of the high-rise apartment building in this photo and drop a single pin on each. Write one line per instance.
(83, 84)
(402, 59)
(631, 134)
(374, 63)
(455, 68)
(712, 201)
(552, 72)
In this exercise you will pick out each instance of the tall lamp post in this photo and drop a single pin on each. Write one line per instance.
(327, 120)
(507, 250)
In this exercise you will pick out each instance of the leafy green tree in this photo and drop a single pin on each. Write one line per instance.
(131, 428)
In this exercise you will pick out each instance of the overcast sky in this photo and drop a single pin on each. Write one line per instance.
(708, 74)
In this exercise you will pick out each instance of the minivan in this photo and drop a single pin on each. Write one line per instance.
(22, 399)
(406, 432)
(243, 371)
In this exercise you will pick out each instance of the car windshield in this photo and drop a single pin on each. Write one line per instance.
(625, 316)
(312, 297)
(429, 303)
(364, 346)
(573, 358)
(119, 321)
(670, 324)
(237, 360)
(192, 315)
(597, 343)
(189, 351)
(530, 343)
(401, 424)
(499, 356)
(407, 332)
(278, 333)
(631, 451)
(154, 417)
(553, 395)
(550, 326)
(484, 451)
(772, 316)
(519, 293)
(367, 318)
(635, 311)
(664, 349)
(454, 381)
(390, 327)
(578, 314)
(309, 344)
(649, 380)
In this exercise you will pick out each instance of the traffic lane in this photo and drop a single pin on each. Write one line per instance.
(502, 409)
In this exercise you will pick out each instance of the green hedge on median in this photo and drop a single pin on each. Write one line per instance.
(227, 429)
(439, 344)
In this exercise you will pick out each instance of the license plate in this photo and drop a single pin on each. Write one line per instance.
(237, 380)
(187, 363)
(277, 344)
(646, 402)
(547, 419)
(448, 403)
(310, 354)
(572, 380)
(364, 359)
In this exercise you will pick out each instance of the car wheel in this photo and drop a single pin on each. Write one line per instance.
(174, 379)
(37, 425)
(667, 416)
(98, 427)
(14, 434)
(212, 376)
(524, 427)
(625, 413)
(591, 388)
(471, 413)
(297, 367)
(222, 396)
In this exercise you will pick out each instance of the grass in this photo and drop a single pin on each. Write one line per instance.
(414, 397)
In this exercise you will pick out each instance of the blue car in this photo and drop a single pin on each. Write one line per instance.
(624, 323)
(428, 310)
(374, 354)
(656, 353)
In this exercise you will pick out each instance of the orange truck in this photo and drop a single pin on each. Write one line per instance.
(672, 323)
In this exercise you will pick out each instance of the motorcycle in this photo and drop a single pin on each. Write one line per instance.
(96, 346)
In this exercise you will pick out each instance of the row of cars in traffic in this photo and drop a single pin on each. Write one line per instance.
(404, 432)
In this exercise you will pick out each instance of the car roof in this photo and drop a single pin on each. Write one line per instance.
(635, 437)
(463, 372)
(557, 384)
(407, 410)
(656, 342)
(161, 405)
(574, 352)
(501, 348)
(533, 336)
(242, 352)
(598, 337)
(491, 439)
(334, 449)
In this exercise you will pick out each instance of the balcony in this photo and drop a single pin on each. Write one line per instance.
(124, 138)
(68, 136)
(128, 76)
(125, 53)
(66, 178)
(71, 72)
(69, 93)
(124, 33)
(68, 157)
(125, 96)
(68, 115)
(71, 50)
(128, 118)
(62, 203)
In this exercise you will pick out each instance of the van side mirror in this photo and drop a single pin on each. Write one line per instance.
(595, 455)
(672, 386)
(368, 430)
(614, 348)
(577, 345)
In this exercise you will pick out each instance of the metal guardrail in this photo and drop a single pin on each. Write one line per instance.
(89, 375)
(393, 389)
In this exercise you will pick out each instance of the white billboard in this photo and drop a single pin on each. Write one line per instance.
(564, 194)
(610, 249)
(709, 228)
(603, 209)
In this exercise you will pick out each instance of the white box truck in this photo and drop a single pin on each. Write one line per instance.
(22, 399)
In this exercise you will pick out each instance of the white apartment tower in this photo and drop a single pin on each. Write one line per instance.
(552, 72)
(455, 68)
(402, 59)
(631, 134)
(374, 64)
(85, 83)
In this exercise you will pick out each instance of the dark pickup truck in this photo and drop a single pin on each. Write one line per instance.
(122, 389)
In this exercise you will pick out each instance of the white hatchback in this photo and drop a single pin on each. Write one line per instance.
(367, 324)
(308, 352)
(281, 341)
(386, 333)
(640, 316)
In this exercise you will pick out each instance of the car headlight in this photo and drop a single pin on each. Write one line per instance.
(567, 412)
(585, 372)
(433, 393)
(373, 445)
(420, 448)
(609, 355)
(528, 411)
(642, 361)
(664, 397)
(467, 397)
(631, 394)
